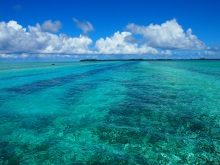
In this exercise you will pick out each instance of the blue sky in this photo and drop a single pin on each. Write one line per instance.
(69, 29)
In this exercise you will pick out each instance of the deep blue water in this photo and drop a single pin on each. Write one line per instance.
(133, 112)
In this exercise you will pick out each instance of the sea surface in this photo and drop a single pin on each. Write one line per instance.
(120, 112)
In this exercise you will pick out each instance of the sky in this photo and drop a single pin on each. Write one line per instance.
(110, 29)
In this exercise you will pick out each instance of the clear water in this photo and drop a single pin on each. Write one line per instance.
(137, 112)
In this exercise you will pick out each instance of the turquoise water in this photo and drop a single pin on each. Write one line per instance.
(134, 112)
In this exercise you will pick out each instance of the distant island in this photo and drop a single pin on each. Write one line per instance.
(140, 59)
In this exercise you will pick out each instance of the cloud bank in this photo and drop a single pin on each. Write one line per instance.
(169, 35)
(117, 44)
(135, 40)
(16, 39)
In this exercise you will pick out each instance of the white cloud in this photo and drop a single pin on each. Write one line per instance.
(214, 50)
(50, 26)
(24, 55)
(39, 41)
(16, 39)
(85, 26)
(166, 52)
(210, 52)
(117, 44)
(14, 25)
(8, 56)
(169, 35)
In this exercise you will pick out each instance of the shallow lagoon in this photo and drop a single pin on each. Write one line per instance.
(131, 112)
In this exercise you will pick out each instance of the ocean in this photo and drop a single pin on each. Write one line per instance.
(112, 112)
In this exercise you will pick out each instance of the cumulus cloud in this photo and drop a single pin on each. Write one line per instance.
(85, 26)
(40, 41)
(50, 26)
(169, 35)
(118, 44)
(16, 39)
(214, 50)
